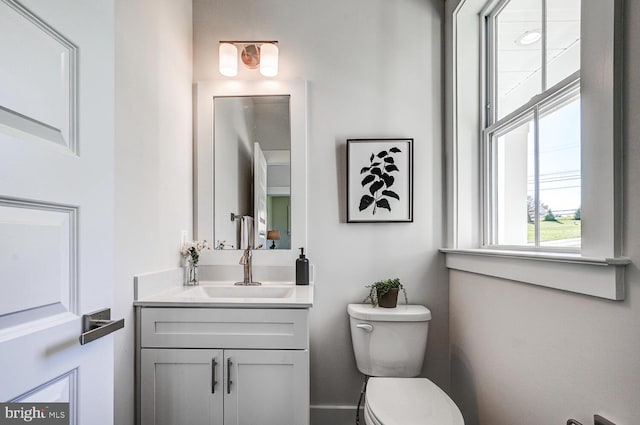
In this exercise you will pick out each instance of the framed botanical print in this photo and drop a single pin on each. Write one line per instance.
(379, 180)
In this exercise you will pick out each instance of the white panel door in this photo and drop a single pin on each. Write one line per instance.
(56, 202)
(181, 387)
(260, 196)
(266, 387)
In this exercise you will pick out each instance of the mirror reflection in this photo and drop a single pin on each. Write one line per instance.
(252, 179)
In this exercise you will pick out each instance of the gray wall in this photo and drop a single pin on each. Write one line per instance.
(153, 202)
(374, 70)
(529, 355)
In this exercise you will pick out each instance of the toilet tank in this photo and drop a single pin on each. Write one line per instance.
(389, 341)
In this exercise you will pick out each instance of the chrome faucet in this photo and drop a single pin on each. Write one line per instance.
(246, 261)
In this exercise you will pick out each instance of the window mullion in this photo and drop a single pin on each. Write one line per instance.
(492, 193)
(491, 77)
(543, 50)
(536, 174)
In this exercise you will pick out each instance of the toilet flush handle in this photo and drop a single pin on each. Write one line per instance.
(365, 327)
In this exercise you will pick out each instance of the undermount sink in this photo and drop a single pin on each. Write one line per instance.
(232, 291)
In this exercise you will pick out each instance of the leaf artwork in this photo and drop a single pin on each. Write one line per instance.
(378, 180)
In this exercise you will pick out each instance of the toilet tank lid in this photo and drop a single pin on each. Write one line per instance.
(402, 313)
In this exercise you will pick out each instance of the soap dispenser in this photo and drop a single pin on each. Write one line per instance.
(302, 269)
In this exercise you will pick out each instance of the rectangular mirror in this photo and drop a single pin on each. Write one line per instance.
(250, 169)
(252, 172)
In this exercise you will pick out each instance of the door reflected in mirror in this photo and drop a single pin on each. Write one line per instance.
(252, 179)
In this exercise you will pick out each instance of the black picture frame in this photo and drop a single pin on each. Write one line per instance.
(380, 180)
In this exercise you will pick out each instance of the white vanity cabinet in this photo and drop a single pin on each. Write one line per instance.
(217, 366)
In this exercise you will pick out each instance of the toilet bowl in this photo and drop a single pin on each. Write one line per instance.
(408, 401)
(389, 346)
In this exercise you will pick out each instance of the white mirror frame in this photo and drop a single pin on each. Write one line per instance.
(203, 160)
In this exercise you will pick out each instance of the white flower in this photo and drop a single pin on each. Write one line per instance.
(186, 247)
(193, 248)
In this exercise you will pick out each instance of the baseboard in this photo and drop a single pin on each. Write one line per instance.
(326, 414)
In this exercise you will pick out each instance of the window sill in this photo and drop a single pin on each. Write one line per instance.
(598, 277)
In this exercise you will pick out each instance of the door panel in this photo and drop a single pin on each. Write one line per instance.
(35, 231)
(38, 75)
(56, 202)
(268, 387)
(177, 387)
(58, 390)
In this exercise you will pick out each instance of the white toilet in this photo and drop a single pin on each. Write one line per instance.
(389, 345)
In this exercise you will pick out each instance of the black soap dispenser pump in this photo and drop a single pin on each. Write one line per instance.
(302, 269)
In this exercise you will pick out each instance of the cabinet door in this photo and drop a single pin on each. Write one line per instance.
(266, 387)
(178, 387)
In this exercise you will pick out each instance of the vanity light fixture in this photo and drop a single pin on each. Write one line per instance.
(254, 54)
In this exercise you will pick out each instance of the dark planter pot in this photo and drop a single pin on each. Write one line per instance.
(390, 299)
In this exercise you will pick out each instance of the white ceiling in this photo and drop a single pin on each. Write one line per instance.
(518, 65)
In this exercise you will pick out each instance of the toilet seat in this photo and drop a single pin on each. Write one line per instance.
(408, 401)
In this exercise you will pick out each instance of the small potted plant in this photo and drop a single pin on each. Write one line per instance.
(384, 293)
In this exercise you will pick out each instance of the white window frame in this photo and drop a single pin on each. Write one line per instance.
(598, 269)
(496, 125)
(532, 109)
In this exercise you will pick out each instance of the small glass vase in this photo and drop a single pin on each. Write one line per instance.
(190, 272)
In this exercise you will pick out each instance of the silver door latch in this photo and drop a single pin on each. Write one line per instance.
(98, 324)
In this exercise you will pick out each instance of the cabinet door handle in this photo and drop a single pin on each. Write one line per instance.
(214, 363)
(229, 381)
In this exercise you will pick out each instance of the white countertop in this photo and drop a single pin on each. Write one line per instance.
(286, 295)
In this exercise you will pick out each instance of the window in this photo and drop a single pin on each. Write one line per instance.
(533, 131)
(531, 145)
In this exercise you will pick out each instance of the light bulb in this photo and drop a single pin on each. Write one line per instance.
(228, 59)
(269, 60)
